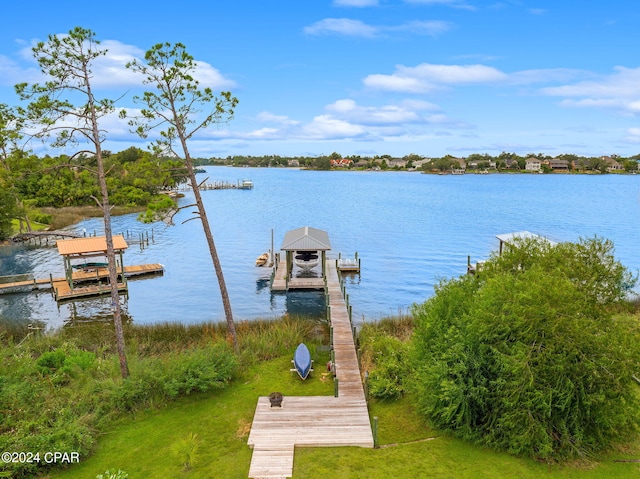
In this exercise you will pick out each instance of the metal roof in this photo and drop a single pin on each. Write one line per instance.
(93, 244)
(508, 238)
(306, 239)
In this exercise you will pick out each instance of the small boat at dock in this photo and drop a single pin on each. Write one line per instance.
(263, 259)
(302, 361)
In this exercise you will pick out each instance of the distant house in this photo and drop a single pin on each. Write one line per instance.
(397, 163)
(512, 163)
(612, 165)
(361, 163)
(341, 163)
(475, 164)
(462, 164)
(293, 163)
(418, 164)
(532, 164)
(557, 164)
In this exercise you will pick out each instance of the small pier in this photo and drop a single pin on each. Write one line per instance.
(221, 185)
(61, 288)
(84, 279)
(315, 421)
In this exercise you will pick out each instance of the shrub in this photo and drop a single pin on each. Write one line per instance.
(527, 357)
(186, 450)
(388, 360)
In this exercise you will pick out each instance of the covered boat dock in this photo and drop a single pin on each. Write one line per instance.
(291, 273)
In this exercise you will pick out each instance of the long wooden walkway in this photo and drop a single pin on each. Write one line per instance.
(314, 421)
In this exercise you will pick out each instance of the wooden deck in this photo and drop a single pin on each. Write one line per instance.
(279, 282)
(63, 292)
(314, 421)
(81, 277)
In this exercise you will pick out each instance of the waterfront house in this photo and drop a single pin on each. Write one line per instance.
(462, 164)
(557, 164)
(532, 164)
(612, 165)
(397, 163)
(293, 163)
(341, 163)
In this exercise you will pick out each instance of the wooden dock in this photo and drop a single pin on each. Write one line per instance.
(280, 283)
(61, 288)
(314, 421)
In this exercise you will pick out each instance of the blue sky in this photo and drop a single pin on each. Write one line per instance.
(368, 77)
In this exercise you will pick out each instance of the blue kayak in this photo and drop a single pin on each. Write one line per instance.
(302, 361)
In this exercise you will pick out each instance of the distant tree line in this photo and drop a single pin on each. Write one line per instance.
(505, 161)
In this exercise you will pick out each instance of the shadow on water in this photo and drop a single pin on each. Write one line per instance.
(310, 304)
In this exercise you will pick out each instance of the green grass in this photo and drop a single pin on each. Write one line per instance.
(143, 444)
(15, 225)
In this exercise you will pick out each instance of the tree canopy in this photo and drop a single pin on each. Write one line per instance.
(529, 355)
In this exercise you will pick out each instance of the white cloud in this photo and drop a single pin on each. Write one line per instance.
(325, 127)
(429, 27)
(427, 77)
(355, 3)
(357, 28)
(266, 117)
(409, 112)
(109, 71)
(633, 135)
(450, 3)
(209, 76)
(342, 26)
(619, 90)
(344, 119)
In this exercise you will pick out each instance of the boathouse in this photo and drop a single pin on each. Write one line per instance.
(76, 253)
(303, 241)
(304, 248)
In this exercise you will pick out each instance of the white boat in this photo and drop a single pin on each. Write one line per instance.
(306, 259)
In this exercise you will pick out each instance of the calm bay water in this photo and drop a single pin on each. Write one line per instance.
(409, 229)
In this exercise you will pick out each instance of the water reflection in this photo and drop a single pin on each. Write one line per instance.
(306, 303)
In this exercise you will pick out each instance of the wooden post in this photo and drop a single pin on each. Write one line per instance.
(375, 432)
(366, 384)
(335, 391)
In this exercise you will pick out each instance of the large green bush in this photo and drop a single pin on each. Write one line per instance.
(529, 356)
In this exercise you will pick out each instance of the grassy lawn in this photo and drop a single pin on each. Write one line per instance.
(142, 445)
(15, 224)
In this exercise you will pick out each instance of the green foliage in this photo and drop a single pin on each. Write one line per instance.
(51, 361)
(8, 210)
(321, 163)
(528, 357)
(158, 209)
(387, 359)
(186, 450)
(135, 178)
(59, 401)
